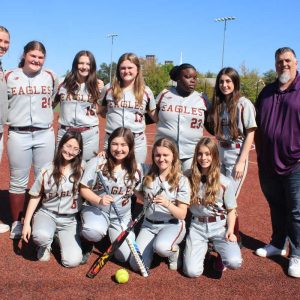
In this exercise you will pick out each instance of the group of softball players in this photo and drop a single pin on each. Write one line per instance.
(187, 171)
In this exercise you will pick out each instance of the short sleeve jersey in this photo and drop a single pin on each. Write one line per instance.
(127, 112)
(225, 200)
(245, 120)
(78, 110)
(121, 188)
(58, 199)
(30, 98)
(181, 118)
(158, 212)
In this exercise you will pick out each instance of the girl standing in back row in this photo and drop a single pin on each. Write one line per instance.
(31, 137)
(232, 119)
(78, 96)
(126, 101)
(4, 46)
(182, 113)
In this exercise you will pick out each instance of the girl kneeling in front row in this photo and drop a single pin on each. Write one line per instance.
(213, 208)
(122, 176)
(168, 190)
(57, 188)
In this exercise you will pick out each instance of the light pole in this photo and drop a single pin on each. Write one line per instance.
(225, 19)
(112, 36)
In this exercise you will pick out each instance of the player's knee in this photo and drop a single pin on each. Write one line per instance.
(191, 271)
(162, 249)
(17, 188)
(233, 263)
(121, 256)
(41, 237)
(71, 261)
(92, 234)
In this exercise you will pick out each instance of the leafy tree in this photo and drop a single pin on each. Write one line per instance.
(104, 72)
(250, 82)
(269, 76)
(156, 76)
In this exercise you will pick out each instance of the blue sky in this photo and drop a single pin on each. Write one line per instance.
(161, 27)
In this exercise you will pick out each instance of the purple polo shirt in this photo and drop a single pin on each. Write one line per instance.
(278, 121)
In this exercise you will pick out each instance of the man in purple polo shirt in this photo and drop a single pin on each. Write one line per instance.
(278, 155)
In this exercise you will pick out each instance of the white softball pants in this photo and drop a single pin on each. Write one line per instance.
(162, 239)
(24, 148)
(96, 223)
(197, 243)
(46, 224)
(228, 159)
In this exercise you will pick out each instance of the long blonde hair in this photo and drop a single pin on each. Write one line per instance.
(174, 175)
(139, 84)
(213, 184)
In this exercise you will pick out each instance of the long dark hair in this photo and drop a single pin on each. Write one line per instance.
(58, 161)
(231, 104)
(71, 80)
(129, 162)
(33, 45)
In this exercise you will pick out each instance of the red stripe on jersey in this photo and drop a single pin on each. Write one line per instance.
(160, 98)
(7, 74)
(104, 102)
(52, 77)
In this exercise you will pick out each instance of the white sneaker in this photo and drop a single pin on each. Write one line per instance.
(175, 261)
(4, 228)
(294, 267)
(270, 250)
(16, 230)
(43, 254)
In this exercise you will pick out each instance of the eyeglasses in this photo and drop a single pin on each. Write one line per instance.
(72, 150)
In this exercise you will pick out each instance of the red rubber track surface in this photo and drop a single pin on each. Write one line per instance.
(22, 277)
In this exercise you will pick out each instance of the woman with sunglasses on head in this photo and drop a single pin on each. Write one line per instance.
(56, 188)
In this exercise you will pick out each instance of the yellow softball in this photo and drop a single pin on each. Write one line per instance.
(122, 276)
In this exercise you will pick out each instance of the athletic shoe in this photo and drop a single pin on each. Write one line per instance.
(87, 250)
(16, 230)
(294, 267)
(4, 228)
(175, 261)
(43, 254)
(270, 250)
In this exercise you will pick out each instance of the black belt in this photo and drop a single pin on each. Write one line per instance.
(210, 219)
(172, 221)
(58, 214)
(26, 128)
(76, 129)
